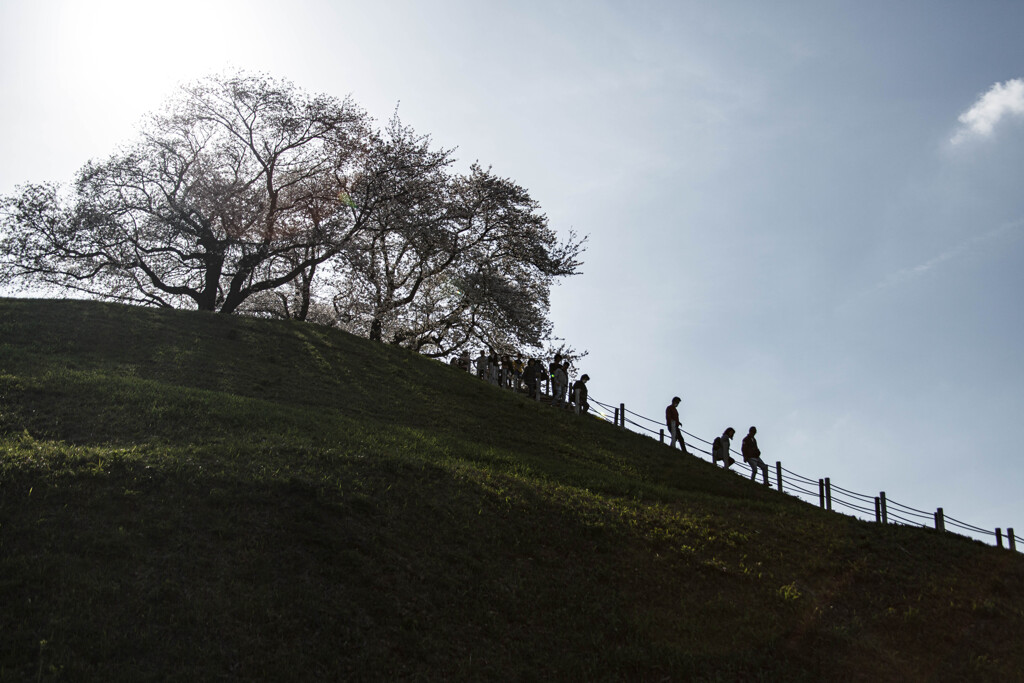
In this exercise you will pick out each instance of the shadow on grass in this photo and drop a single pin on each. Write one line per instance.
(126, 570)
(189, 496)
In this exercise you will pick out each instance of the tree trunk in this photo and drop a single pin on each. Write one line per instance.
(306, 278)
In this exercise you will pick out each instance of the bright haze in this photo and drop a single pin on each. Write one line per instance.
(803, 216)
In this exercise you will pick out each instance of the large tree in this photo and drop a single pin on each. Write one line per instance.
(231, 191)
(245, 194)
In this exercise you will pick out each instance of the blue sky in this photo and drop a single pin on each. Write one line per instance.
(805, 216)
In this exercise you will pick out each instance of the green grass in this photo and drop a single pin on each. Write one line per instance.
(188, 496)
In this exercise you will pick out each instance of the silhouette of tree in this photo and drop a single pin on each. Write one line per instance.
(231, 191)
(247, 195)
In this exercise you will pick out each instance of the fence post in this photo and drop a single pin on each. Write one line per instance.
(661, 435)
(821, 493)
(622, 415)
(616, 417)
(999, 537)
(878, 510)
(828, 494)
(881, 500)
(1011, 539)
(778, 474)
(940, 520)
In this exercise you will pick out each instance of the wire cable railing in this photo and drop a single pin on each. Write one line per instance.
(969, 527)
(904, 520)
(882, 508)
(639, 426)
(800, 477)
(861, 496)
(838, 498)
(826, 494)
(802, 490)
(643, 417)
(909, 509)
(854, 506)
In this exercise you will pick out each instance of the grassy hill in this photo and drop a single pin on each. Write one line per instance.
(189, 496)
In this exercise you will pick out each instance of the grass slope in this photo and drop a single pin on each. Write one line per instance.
(188, 496)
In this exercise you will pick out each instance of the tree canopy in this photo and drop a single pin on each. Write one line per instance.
(245, 194)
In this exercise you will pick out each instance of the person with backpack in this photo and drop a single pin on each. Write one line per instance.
(752, 456)
(672, 422)
(721, 446)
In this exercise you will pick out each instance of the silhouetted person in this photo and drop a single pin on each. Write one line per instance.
(552, 366)
(557, 363)
(492, 367)
(752, 455)
(672, 422)
(531, 377)
(506, 371)
(579, 393)
(721, 446)
(559, 383)
(481, 365)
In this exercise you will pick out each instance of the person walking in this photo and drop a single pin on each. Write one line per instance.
(506, 371)
(481, 365)
(530, 377)
(493, 367)
(556, 363)
(752, 456)
(560, 383)
(672, 422)
(552, 366)
(721, 446)
(579, 393)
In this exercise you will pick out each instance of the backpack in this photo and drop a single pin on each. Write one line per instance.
(716, 449)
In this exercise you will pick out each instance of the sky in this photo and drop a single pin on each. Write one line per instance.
(804, 216)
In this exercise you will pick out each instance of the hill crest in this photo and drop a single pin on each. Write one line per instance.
(197, 495)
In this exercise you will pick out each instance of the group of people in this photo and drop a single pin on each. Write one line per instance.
(721, 447)
(527, 376)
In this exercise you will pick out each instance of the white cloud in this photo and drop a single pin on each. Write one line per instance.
(1002, 99)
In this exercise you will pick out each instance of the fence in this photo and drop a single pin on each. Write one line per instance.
(828, 496)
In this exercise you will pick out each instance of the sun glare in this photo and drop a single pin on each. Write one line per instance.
(122, 58)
